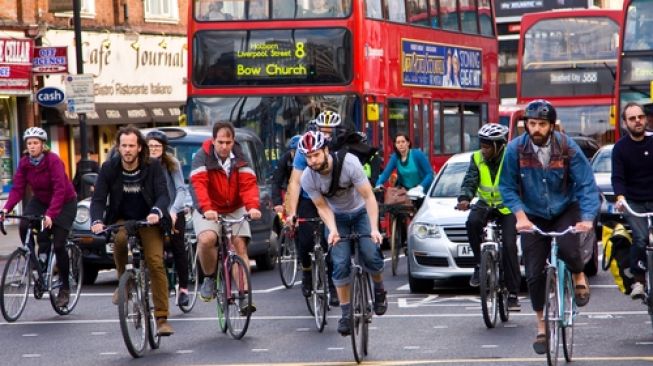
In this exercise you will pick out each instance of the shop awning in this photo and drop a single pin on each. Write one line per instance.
(118, 114)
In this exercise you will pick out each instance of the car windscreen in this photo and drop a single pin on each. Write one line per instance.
(449, 180)
(184, 152)
(602, 162)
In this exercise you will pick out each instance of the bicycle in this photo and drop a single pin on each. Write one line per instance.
(23, 267)
(560, 309)
(493, 290)
(318, 302)
(190, 242)
(233, 283)
(287, 258)
(648, 293)
(400, 216)
(135, 310)
(361, 300)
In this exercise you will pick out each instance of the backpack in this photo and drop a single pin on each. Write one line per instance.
(347, 141)
(616, 255)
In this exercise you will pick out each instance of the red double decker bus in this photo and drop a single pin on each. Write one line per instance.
(423, 67)
(569, 57)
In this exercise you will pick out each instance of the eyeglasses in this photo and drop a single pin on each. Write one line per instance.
(152, 147)
(635, 118)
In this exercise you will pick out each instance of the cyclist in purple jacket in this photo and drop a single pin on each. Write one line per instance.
(53, 196)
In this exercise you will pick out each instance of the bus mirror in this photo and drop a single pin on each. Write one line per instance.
(373, 112)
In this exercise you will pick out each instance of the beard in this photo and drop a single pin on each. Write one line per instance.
(539, 139)
(320, 168)
(636, 132)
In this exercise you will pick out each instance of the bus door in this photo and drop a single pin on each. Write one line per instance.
(421, 125)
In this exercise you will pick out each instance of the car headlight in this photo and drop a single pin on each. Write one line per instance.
(425, 230)
(83, 214)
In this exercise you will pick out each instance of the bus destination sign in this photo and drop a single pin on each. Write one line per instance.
(272, 59)
(440, 66)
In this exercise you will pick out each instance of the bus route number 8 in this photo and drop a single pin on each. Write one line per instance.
(299, 50)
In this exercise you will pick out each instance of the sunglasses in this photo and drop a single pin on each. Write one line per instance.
(635, 118)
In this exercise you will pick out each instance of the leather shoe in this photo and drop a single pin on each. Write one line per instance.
(539, 346)
(164, 329)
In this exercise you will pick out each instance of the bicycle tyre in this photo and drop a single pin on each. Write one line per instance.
(395, 243)
(488, 288)
(15, 285)
(221, 298)
(132, 315)
(358, 317)
(75, 278)
(320, 291)
(287, 258)
(368, 311)
(570, 309)
(193, 278)
(502, 299)
(239, 297)
(551, 317)
(153, 337)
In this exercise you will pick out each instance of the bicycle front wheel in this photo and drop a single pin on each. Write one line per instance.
(395, 242)
(568, 322)
(551, 316)
(153, 337)
(320, 290)
(488, 273)
(239, 297)
(133, 316)
(15, 285)
(358, 317)
(193, 278)
(287, 258)
(221, 298)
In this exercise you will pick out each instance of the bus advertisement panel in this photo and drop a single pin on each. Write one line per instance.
(441, 66)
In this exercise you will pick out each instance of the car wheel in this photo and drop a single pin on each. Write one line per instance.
(90, 274)
(268, 260)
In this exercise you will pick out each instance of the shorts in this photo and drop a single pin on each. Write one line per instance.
(200, 224)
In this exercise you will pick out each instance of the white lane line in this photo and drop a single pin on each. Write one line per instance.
(31, 355)
(411, 347)
(260, 349)
(643, 343)
(98, 333)
(108, 353)
(335, 348)
(440, 327)
(510, 325)
(489, 346)
(184, 351)
(303, 329)
(30, 335)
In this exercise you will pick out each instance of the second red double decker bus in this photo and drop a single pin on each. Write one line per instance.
(427, 68)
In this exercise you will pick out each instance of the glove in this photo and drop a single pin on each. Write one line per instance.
(417, 191)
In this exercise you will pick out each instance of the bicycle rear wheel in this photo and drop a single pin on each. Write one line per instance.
(287, 258)
(221, 298)
(502, 299)
(75, 274)
(551, 317)
(193, 277)
(358, 317)
(488, 272)
(133, 316)
(15, 285)
(239, 299)
(395, 242)
(320, 291)
(568, 323)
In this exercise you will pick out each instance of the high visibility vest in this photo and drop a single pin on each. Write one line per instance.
(488, 190)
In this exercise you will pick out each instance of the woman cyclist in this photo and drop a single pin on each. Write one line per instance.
(157, 142)
(413, 169)
(53, 196)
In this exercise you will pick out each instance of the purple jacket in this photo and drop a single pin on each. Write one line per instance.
(48, 181)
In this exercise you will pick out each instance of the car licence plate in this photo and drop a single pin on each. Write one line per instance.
(465, 251)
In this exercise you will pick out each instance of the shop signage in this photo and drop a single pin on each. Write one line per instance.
(50, 60)
(49, 96)
(15, 64)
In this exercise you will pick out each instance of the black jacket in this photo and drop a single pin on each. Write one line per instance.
(281, 176)
(109, 184)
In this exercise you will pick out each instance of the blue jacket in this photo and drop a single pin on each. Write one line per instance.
(425, 170)
(547, 193)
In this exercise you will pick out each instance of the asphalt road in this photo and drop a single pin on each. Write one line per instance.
(443, 327)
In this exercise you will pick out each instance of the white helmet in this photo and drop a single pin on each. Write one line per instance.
(493, 132)
(37, 132)
(328, 119)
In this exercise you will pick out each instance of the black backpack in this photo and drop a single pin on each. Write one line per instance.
(347, 141)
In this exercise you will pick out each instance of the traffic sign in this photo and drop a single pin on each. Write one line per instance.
(80, 93)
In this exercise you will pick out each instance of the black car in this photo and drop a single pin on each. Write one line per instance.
(184, 142)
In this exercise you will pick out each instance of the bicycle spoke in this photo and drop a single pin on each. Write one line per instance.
(15, 286)
(133, 317)
(488, 288)
(239, 302)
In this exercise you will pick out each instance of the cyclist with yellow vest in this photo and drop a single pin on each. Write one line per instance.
(482, 179)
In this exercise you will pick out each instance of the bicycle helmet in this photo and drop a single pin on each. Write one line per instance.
(37, 132)
(328, 119)
(157, 135)
(493, 132)
(540, 109)
(294, 141)
(312, 141)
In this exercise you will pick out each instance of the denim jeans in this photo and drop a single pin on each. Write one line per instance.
(370, 254)
(639, 227)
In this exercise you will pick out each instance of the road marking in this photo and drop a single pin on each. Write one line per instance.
(31, 355)
(98, 333)
(184, 351)
(30, 335)
(108, 353)
(440, 327)
(510, 325)
(260, 349)
(335, 348)
(643, 343)
(411, 347)
(489, 346)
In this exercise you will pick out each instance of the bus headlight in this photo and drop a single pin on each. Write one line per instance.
(425, 230)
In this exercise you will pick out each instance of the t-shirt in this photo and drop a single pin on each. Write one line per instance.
(345, 200)
(299, 163)
(133, 205)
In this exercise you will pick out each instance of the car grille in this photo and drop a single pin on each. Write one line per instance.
(465, 262)
(432, 261)
(456, 234)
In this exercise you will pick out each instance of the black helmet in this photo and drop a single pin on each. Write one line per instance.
(157, 135)
(540, 109)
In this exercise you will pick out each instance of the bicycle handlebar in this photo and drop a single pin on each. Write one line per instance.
(630, 210)
(224, 220)
(134, 223)
(536, 229)
(33, 218)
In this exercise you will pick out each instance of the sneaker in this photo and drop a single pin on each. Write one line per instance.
(380, 302)
(637, 291)
(207, 291)
(307, 283)
(344, 325)
(474, 280)
(246, 308)
(163, 328)
(183, 299)
(513, 303)
(62, 298)
(333, 297)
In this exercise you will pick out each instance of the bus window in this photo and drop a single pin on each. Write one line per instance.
(471, 125)
(396, 11)
(638, 26)
(417, 13)
(485, 17)
(398, 118)
(437, 133)
(417, 126)
(426, 134)
(257, 9)
(286, 9)
(321, 9)
(449, 15)
(434, 16)
(468, 16)
(451, 131)
(373, 9)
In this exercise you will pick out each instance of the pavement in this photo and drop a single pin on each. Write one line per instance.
(10, 242)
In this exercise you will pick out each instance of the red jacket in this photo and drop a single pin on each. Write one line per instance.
(214, 191)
